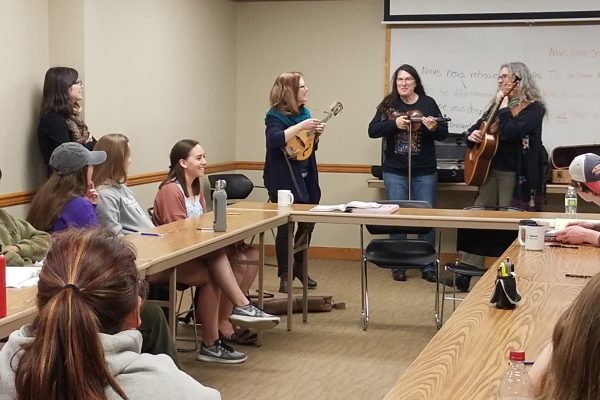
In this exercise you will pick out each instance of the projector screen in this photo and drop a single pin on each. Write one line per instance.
(472, 11)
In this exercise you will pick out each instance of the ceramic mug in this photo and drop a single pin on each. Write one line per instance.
(285, 198)
(532, 237)
(522, 224)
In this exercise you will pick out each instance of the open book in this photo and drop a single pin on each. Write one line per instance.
(366, 207)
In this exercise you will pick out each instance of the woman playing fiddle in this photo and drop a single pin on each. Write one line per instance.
(394, 122)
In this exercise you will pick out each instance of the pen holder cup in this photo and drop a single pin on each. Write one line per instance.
(506, 296)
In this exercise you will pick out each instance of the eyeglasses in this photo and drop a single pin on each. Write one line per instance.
(405, 80)
(503, 76)
(78, 82)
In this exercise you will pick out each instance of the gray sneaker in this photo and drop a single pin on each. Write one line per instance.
(249, 316)
(219, 352)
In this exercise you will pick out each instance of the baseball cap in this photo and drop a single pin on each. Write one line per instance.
(70, 157)
(585, 168)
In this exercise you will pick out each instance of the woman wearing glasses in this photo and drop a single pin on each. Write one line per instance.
(404, 137)
(60, 120)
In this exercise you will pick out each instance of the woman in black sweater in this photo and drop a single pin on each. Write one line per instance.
(59, 117)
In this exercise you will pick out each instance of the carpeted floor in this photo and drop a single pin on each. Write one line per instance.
(331, 357)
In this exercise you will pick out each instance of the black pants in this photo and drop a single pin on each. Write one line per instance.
(302, 236)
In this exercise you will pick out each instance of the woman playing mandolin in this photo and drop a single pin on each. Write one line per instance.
(288, 117)
(516, 173)
(408, 122)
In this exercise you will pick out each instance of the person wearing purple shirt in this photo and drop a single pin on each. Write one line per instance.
(68, 198)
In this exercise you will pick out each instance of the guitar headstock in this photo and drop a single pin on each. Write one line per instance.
(336, 107)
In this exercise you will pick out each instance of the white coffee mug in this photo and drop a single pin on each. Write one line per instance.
(285, 198)
(532, 237)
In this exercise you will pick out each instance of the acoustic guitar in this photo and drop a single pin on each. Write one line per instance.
(301, 146)
(479, 158)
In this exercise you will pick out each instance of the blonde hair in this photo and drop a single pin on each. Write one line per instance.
(284, 93)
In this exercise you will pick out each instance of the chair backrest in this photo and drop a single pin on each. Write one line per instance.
(486, 242)
(391, 230)
(238, 186)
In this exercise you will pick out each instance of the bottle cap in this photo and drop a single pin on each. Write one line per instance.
(516, 355)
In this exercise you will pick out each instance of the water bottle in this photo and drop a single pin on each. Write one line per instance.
(220, 207)
(516, 384)
(2, 284)
(571, 203)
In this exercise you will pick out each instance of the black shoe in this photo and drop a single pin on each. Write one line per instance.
(462, 282)
(312, 284)
(399, 275)
(428, 275)
(283, 285)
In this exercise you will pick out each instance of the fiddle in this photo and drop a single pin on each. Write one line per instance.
(416, 118)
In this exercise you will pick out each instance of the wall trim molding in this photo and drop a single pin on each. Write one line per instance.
(25, 197)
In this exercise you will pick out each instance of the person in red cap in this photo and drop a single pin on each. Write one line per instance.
(585, 173)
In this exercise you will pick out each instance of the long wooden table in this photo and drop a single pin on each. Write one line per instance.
(468, 357)
(427, 217)
(180, 241)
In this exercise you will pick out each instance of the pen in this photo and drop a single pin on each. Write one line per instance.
(205, 229)
(578, 276)
(151, 234)
(563, 246)
(233, 213)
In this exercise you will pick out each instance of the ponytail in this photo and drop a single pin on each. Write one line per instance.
(88, 285)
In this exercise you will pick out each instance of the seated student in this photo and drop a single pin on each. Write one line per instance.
(84, 343)
(68, 198)
(63, 202)
(119, 211)
(585, 173)
(180, 196)
(21, 243)
(568, 367)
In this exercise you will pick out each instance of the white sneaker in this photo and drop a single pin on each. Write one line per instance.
(249, 316)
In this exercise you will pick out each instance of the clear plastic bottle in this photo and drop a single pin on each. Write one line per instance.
(516, 384)
(571, 203)
(220, 207)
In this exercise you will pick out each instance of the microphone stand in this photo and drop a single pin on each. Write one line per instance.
(409, 161)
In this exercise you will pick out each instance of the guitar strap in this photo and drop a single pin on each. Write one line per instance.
(291, 171)
(520, 107)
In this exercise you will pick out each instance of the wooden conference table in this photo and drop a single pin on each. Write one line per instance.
(436, 218)
(180, 241)
(468, 357)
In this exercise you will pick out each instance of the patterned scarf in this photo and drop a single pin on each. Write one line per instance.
(78, 130)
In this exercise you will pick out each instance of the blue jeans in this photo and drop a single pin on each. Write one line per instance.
(423, 187)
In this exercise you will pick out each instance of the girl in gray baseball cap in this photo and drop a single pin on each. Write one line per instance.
(68, 198)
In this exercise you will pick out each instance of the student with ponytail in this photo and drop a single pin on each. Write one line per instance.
(84, 344)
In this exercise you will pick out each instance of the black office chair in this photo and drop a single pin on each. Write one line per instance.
(482, 242)
(238, 186)
(393, 253)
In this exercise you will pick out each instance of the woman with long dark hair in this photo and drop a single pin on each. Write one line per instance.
(403, 138)
(60, 115)
(180, 196)
(83, 343)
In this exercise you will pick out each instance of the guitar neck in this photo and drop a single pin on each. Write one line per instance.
(327, 118)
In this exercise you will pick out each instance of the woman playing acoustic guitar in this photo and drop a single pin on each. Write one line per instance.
(394, 122)
(287, 117)
(516, 175)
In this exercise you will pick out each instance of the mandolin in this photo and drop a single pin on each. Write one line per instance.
(301, 146)
(479, 158)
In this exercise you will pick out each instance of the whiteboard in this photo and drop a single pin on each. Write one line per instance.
(459, 68)
(402, 11)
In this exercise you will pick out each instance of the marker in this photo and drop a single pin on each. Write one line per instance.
(563, 246)
(151, 234)
(578, 276)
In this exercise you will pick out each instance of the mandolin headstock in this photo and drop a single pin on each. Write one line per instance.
(336, 107)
